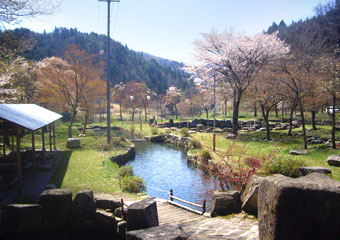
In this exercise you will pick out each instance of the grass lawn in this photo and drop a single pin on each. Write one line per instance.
(87, 167)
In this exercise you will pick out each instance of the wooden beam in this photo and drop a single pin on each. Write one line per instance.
(33, 154)
(13, 143)
(54, 143)
(50, 137)
(19, 161)
(43, 144)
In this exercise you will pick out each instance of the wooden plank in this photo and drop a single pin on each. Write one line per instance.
(184, 207)
(50, 137)
(181, 200)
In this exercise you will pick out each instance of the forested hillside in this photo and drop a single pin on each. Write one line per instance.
(127, 65)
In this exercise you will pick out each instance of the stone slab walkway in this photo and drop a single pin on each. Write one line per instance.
(236, 227)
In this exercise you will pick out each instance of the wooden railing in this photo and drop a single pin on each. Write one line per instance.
(172, 202)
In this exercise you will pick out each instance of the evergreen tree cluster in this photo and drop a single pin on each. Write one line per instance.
(126, 65)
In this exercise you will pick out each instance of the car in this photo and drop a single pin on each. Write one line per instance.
(329, 109)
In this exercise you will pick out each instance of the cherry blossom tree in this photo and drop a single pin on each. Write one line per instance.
(173, 97)
(236, 59)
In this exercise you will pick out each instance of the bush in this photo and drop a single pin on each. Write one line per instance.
(125, 171)
(195, 143)
(283, 165)
(154, 131)
(185, 132)
(90, 133)
(123, 139)
(205, 155)
(116, 141)
(133, 184)
(107, 147)
(168, 131)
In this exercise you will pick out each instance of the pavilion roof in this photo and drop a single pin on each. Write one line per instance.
(30, 116)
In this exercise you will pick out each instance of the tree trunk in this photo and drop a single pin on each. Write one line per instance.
(313, 120)
(225, 108)
(120, 112)
(282, 110)
(333, 122)
(303, 125)
(87, 114)
(100, 109)
(133, 115)
(237, 101)
(291, 119)
(207, 113)
(74, 114)
(265, 115)
(276, 111)
(255, 110)
(176, 111)
(146, 115)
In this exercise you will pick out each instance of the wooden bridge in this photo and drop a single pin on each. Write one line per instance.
(172, 215)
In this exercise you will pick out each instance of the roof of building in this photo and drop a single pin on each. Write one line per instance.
(30, 116)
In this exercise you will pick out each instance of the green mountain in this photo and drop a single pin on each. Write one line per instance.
(126, 65)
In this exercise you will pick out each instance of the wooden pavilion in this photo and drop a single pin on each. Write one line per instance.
(15, 119)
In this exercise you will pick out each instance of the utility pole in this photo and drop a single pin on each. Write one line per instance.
(108, 97)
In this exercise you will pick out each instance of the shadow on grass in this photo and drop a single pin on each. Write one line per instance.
(60, 171)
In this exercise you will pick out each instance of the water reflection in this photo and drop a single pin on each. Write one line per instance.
(165, 167)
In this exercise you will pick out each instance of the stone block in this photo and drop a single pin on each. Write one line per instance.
(309, 170)
(297, 209)
(106, 201)
(57, 206)
(142, 214)
(106, 221)
(231, 136)
(225, 203)
(73, 143)
(249, 195)
(22, 218)
(298, 152)
(164, 232)
(83, 207)
(334, 160)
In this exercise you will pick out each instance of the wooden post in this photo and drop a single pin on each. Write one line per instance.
(50, 138)
(12, 143)
(214, 141)
(54, 143)
(33, 154)
(204, 206)
(43, 144)
(122, 202)
(19, 162)
(4, 146)
(171, 194)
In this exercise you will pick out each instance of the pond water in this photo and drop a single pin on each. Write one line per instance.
(164, 167)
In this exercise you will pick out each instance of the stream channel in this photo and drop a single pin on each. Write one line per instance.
(164, 167)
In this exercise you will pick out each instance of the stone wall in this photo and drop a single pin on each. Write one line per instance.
(182, 142)
(124, 158)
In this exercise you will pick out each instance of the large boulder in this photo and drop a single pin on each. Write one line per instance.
(159, 138)
(296, 209)
(298, 152)
(22, 218)
(334, 160)
(142, 214)
(83, 207)
(107, 201)
(225, 203)
(73, 143)
(164, 232)
(249, 195)
(106, 221)
(57, 206)
(199, 127)
(309, 170)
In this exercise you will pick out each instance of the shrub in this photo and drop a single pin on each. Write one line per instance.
(125, 171)
(90, 133)
(168, 131)
(195, 143)
(185, 132)
(205, 155)
(116, 141)
(123, 138)
(107, 147)
(154, 130)
(133, 184)
(283, 165)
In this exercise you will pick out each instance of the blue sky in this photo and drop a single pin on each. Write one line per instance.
(168, 28)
